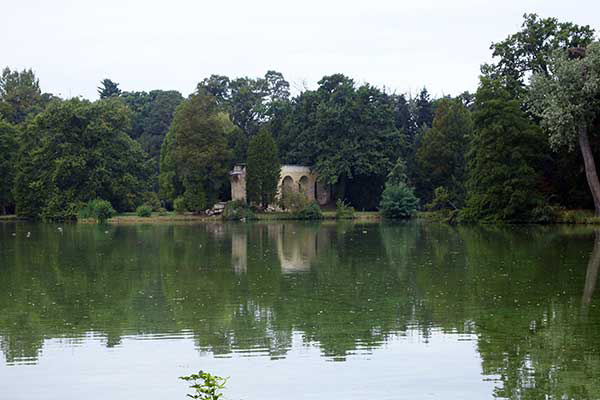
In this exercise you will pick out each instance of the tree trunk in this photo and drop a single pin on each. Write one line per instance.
(590, 167)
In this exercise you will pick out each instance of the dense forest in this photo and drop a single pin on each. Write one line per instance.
(519, 148)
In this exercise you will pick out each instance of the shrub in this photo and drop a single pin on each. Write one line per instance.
(144, 211)
(293, 201)
(162, 212)
(179, 205)
(441, 200)
(343, 210)
(311, 211)
(195, 199)
(151, 199)
(86, 211)
(238, 210)
(398, 201)
(99, 209)
(205, 385)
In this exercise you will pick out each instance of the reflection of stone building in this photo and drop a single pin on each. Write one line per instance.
(297, 246)
(292, 178)
(239, 251)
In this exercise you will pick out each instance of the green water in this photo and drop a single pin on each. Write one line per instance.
(299, 311)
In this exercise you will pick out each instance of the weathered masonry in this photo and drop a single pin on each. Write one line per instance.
(293, 178)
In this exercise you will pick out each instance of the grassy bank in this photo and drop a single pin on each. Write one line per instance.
(132, 218)
(558, 216)
(329, 215)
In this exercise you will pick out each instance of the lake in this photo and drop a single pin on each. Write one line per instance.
(299, 310)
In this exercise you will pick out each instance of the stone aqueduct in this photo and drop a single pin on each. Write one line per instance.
(293, 178)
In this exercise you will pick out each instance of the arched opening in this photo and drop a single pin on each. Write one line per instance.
(322, 193)
(303, 185)
(287, 185)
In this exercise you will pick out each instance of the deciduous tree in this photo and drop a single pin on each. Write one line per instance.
(530, 50)
(76, 151)
(347, 134)
(194, 156)
(568, 102)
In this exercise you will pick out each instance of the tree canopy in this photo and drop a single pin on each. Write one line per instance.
(76, 151)
(195, 158)
(503, 182)
(440, 157)
(346, 133)
(8, 150)
(568, 102)
(20, 95)
(530, 50)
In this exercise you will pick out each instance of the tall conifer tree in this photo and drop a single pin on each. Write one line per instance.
(502, 182)
(262, 169)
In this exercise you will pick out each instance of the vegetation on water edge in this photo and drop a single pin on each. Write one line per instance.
(343, 210)
(98, 209)
(144, 211)
(238, 211)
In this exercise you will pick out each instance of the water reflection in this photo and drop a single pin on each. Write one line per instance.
(591, 276)
(256, 289)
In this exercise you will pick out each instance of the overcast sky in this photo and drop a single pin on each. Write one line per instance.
(173, 44)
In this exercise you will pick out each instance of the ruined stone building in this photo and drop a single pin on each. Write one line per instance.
(293, 178)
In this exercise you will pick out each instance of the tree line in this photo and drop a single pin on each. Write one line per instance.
(517, 149)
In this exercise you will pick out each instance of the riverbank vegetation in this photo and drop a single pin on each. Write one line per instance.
(519, 149)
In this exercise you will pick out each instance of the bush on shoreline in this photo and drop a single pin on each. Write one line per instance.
(343, 210)
(144, 211)
(238, 210)
(100, 210)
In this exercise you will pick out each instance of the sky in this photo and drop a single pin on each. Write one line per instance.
(173, 44)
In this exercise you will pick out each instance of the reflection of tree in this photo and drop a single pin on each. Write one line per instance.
(525, 310)
(517, 288)
(591, 276)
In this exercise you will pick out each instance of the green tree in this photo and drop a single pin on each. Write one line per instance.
(567, 101)
(503, 181)
(250, 102)
(423, 109)
(398, 173)
(8, 152)
(20, 95)
(108, 88)
(440, 157)
(73, 152)
(152, 113)
(194, 156)
(398, 201)
(530, 50)
(348, 135)
(262, 169)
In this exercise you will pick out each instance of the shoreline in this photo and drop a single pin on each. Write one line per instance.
(564, 217)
